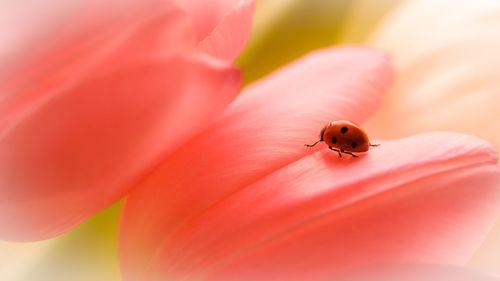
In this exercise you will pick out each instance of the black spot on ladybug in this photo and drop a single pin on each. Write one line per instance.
(354, 144)
(343, 130)
(334, 140)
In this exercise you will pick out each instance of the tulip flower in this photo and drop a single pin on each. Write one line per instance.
(223, 189)
(244, 200)
(85, 119)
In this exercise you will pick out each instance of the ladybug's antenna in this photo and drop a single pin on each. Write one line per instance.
(311, 145)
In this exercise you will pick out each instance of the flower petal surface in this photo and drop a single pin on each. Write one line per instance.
(264, 129)
(448, 79)
(222, 26)
(415, 272)
(151, 33)
(321, 214)
(41, 32)
(447, 68)
(207, 14)
(83, 148)
(230, 35)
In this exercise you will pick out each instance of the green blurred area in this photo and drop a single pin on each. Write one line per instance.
(286, 29)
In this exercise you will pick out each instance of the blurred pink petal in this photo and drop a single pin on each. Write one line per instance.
(263, 130)
(148, 34)
(80, 149)
(47, 32)
(320, 214)
(447, 68)
(207, 15)
(230, 35)
(414, 272)
(223, 26)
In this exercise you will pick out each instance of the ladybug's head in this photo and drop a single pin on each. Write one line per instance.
(322, 133)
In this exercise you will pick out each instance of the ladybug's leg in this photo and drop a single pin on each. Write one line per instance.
(350, 153)
(374, 144)
(311, 145)
(334, 149)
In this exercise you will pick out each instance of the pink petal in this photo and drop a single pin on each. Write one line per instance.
(402, 202)
(228, 38)
(85, 146)
(448, 68)
(56, 30)
(263, 130)
(136, 37)
(209, 14)
(24, 22)
(414, 272)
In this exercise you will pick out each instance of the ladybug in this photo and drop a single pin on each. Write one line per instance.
(344, 137)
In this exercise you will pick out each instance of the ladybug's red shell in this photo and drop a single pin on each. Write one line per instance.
(346, 136)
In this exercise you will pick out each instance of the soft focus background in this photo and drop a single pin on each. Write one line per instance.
(286, 29)
(283, 31)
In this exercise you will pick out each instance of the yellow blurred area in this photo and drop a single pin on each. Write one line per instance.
(287, 29)
(87, 253)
